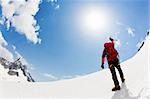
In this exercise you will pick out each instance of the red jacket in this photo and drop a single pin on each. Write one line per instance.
(110, 52)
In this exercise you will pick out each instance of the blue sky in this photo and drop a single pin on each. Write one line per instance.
(65, 50)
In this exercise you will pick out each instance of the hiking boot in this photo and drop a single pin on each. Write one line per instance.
(116, 88)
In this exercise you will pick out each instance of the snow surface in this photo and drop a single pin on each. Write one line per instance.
(97, 85)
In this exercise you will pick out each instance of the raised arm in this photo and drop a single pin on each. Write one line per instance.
(103, 56)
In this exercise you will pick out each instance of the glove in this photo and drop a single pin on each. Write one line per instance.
(102, 66)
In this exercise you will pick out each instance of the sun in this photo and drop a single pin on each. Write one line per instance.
(94, 20)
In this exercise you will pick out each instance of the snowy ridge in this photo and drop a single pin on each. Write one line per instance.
(14, 71)
(93, 86)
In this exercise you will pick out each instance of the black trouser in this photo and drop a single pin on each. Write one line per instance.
(112, 65)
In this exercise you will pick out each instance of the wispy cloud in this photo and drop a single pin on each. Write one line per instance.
(138, 45)
(54, 3)
(131, 31)
(71, 76)
(4, 52)
(2, 20)
(50, 76)
(127, 43)
(57, 7)
(119, 23)
(2, 40)
(14, 47)
(118, 43)
(117, 40)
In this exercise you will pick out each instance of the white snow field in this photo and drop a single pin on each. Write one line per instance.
(92, 86)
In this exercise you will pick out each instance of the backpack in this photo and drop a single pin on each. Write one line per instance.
(111, 52)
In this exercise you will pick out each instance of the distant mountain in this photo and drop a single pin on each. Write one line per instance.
(14, 71)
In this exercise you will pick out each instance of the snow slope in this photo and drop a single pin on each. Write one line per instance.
(93, 86)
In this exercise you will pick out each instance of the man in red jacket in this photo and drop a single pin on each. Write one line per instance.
(113, 61)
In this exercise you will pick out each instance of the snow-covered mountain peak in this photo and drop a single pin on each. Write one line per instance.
(14, 71)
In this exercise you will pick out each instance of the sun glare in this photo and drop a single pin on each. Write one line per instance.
(94, 20)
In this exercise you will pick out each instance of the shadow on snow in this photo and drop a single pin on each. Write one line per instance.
(124, 93)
